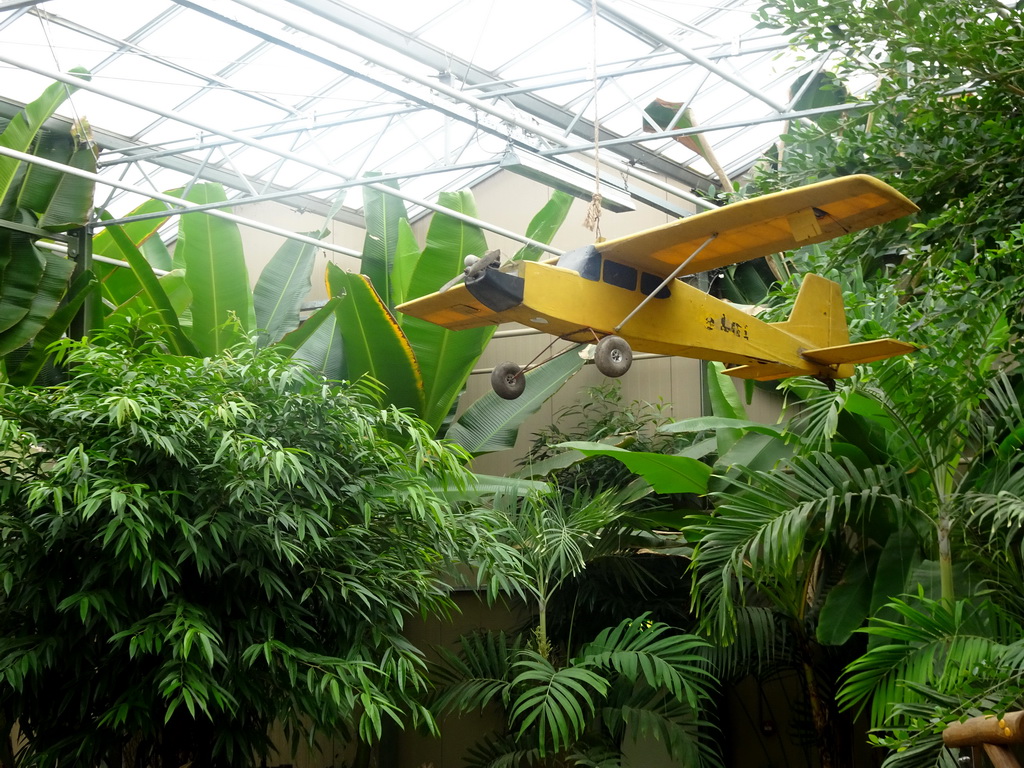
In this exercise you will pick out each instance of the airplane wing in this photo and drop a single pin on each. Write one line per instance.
(455, 308)
(769, 224)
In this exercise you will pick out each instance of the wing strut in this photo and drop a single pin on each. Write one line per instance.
(678, 270)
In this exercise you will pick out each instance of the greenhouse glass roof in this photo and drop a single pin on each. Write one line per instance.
(298, 100)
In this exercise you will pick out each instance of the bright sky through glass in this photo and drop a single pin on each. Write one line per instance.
(271, 95)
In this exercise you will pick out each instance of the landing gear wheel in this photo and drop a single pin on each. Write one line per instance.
(613, 356)
(508, 380)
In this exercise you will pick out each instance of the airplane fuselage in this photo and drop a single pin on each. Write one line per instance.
(680, 320)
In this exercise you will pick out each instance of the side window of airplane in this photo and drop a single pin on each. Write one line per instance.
(649, 283)
(619, 275)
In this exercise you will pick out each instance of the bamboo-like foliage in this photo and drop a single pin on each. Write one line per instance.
(196, 547)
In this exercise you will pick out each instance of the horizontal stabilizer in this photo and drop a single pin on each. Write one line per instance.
(862, 352)
(760, 371)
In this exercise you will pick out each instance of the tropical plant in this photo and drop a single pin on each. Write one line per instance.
(38, 298)
(943, 125)
(437, 360)
(935, 663)
(204, 304)
(887, 473)
(571, 703)
(201, 303)
(194, 548)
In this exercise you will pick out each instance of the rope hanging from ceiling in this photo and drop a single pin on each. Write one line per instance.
(592, 220)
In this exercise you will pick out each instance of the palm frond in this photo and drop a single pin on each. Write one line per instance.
(556, 702)
(933, 644)
(768, 526)
(647, 713)
(504, 751)
(759, 640)
(641, 651)
(478, 675)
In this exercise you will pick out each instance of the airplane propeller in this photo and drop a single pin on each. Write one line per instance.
(474, 266)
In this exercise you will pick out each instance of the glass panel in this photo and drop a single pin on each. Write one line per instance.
(619, 275)
(649, 282)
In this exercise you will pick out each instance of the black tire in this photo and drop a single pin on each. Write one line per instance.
(613, 357)
(508, 380)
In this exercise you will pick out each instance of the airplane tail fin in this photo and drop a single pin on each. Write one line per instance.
(818, 314)
(819, 318)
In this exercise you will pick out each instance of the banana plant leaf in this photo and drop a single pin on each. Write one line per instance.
(280, 288)
(26, 371)
(449, 241)
(318, 343)
(175, 289)
(407, 254)
(666, 474)
(493, 485)
(21, 132)
(445, 357)
(545, 224)
(755, 451)
(120, 285)
(846, 607)
(153, 292)
(22, 266)
(492, 423)
(663, 114)
(210, 249)
(725, 402)
(59, 201)
(900, 557)
(383, 214)
(43, 302)
(374, 344)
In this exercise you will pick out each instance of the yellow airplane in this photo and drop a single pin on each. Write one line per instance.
(625, 295)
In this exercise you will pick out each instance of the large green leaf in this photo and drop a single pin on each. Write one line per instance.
(446, 358)
(210, 249)
(666, 474)
(21, 132)
(50, 289)
(175, 289)
(755, 451)
(407, 255)
(374, 344)
(155, 296)
(318, 343)
(22, 266)
(848, 604)
(383, 214)
(449, 241)
(725, 402)
(492, 423)
(719, 423)
(545, 224)
(281, 287)
(900, 557)
(139, 232)
(59, 201)
(28, 368)
(120, 284)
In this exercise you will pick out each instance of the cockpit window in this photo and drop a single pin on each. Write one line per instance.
(620, 275)
(649, 283)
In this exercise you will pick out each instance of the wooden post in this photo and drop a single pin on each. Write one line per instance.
(992, 734)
